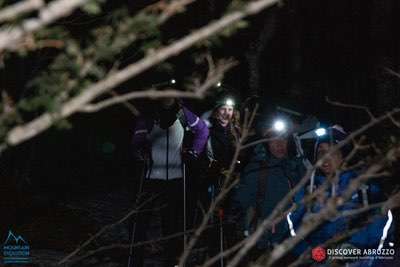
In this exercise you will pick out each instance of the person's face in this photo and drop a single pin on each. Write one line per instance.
(332, 163)
(278, 148)
(225, 114)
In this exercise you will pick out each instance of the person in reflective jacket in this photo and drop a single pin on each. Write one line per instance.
(273, 169)
(375, 232)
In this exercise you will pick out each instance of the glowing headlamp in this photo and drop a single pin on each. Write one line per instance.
(165, 83)
(229, 102)
(320, 132)
(279, 126)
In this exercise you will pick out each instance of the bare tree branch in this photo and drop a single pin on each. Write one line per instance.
(149, 93)
(104, 229)
(392, 72)
(18, 9)
(93, 252)
(394, 121)
(10, 38)
(198, 92)
(174, 7)
(349, 213)
(339, 104)
(306, 254)
(128, 105)
(215, 74)
(24, 132)
(226, 253)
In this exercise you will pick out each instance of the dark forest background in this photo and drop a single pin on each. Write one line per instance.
(61, 186)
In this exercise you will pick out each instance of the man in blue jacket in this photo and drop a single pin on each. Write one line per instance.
(374, 232)
(272, 171)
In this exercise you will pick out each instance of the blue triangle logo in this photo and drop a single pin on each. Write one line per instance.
(11, 238)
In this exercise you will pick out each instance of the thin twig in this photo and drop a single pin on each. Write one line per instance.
(198, 93)
(339, 104)
(90, 253)
(104, 229)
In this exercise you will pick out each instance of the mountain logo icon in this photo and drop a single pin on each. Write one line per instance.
(15, 250)
(13, 239)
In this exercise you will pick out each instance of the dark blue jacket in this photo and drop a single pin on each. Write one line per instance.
(377, 233)
(280, 177)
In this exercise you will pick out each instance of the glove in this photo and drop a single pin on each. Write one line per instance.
(190, 155)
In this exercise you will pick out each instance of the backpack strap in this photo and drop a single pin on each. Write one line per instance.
(261, 185)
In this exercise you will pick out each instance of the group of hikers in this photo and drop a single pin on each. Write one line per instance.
(185, 159)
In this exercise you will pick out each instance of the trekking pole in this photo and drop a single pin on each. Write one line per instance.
(184, 207)
(131, 247)
(221, 236)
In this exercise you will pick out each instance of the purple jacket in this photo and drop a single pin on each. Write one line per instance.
(144, 126)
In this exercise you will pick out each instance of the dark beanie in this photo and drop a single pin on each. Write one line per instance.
(334, 135)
